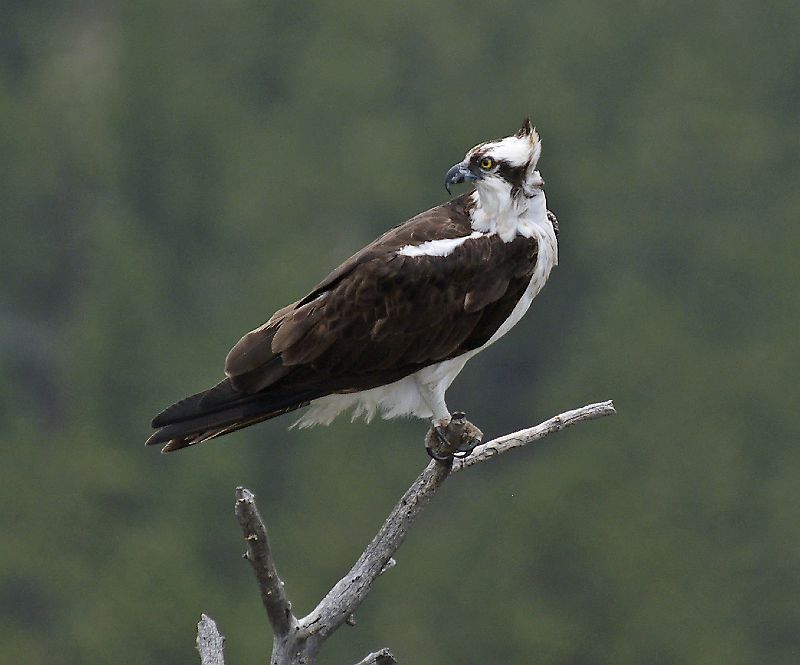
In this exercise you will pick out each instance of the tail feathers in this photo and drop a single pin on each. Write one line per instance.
(186, 423)
(206, 435)
(216, 398)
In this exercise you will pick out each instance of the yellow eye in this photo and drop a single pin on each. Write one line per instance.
(487, 163)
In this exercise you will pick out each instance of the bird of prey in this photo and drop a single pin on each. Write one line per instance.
(388, 331)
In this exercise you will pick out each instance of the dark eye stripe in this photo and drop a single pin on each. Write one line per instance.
(514, 175)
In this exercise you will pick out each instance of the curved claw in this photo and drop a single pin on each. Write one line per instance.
(440, 433)
(461, 453)
(445, 438)
(436, 456)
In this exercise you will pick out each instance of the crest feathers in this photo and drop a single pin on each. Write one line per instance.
(526, 129)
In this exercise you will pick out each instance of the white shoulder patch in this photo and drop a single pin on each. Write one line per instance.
(437, 247)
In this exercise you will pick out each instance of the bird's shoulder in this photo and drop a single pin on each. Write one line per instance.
(397, 309)
(443, 222)
(253, 350)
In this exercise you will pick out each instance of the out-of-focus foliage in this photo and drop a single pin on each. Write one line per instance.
(171, 173)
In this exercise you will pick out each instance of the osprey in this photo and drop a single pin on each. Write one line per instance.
(388, 331)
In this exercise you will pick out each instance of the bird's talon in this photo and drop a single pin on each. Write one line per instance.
(466, 450)
(436, 456)
(456, 440)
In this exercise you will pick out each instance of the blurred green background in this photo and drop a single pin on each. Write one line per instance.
(171, 173)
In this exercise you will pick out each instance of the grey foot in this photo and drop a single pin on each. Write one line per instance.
(457, 439)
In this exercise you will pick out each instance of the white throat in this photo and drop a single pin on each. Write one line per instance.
(498, 211)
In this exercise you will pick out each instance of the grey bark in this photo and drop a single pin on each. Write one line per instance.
(210, 643)
(382, 657)
(298, 641)
(259, 554)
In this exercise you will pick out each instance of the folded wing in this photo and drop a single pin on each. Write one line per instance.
(380, 316)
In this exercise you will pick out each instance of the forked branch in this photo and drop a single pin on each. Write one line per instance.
(297, 641)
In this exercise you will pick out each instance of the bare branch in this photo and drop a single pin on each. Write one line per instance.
(297, 642)
(259, 554)
(210, 643)
(382, 657)
(345, 597)
(503, 444)
(348, 593)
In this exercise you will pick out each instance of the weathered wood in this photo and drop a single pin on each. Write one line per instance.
(210, 643)
(349, 592)
(503, 444)
(298, 641)
(382, 657)
(259, 554)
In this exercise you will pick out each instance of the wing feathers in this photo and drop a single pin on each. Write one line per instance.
(403, 315)
(251, 352)
(297, 325)
(379, 317)
(486, 291)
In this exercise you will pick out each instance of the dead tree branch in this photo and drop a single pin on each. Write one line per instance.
(297, 641)
(259, 554)
(210, 643)
(349, 592)
(382, 657)
(503, 444)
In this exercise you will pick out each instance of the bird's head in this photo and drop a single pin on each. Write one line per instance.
(503, 167)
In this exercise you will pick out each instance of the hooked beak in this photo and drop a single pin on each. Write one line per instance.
(459, 173)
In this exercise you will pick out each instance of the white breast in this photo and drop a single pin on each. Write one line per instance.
(534, 224)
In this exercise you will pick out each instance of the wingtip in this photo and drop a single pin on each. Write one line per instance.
(179, 444)
(152, 439)
(158, 437)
